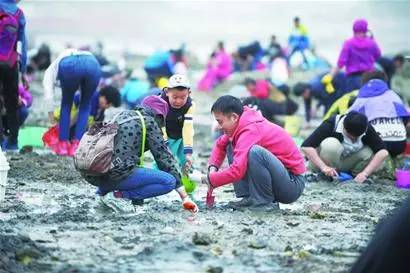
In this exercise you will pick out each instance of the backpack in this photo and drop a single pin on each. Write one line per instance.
(9, 26)
(95, 156)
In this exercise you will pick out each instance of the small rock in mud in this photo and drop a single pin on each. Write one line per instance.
(259, 222)
(18, 253)
(315, 207)
(257, 244)
(119, 239)
(148, 250)
(293, 224)
(16, 158)
(200, 256)
(214, 269)
(134, 240)
(247, 230)
(201, 239)
(317, 215)
(288, 248)
(221, 226)
(204, 154)
(129, 247)
(217, 251)
(92, 227)
(303, 254)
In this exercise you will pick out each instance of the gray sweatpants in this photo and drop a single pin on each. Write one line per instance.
(267, 180)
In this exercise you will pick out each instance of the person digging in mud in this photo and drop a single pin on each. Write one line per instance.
(345, 143)
(86, 77)
(179, 133)
(266, 166)
(102, 100)
(385, 110)
(127, 184)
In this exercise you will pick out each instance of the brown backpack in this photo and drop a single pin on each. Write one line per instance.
(96, 148)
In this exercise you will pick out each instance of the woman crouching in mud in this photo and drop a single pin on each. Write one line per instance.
(127, 184)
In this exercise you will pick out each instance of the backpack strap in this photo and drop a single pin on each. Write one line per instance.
(113, 119)
(144, 133)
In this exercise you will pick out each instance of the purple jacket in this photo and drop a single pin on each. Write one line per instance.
(376, 100)
(25, 96)
(359, 55)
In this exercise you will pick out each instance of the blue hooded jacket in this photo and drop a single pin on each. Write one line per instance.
(10, 7)
(373, 88)
(376, 100)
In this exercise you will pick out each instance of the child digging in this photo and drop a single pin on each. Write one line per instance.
(179, 127)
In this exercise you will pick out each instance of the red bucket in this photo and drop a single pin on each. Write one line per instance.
(407, 151)
(50, 137)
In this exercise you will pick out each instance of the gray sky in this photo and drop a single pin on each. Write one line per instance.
(143, 26)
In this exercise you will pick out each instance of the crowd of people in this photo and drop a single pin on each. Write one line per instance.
(365, 126)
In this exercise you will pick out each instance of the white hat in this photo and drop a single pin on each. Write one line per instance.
(178, 80)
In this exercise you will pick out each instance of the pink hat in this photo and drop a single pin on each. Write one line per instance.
(360, 25)
(157, 104)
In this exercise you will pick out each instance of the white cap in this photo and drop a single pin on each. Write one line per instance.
(178, 80)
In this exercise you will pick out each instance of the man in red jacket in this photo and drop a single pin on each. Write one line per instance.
(266, 166)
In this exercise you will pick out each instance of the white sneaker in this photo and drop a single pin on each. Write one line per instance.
(120, 205)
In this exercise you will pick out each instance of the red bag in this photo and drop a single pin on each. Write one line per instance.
(407, 151)
(50, 137)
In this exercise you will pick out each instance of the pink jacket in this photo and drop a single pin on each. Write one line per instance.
(261, 89)
(224, 64)
(254, 129)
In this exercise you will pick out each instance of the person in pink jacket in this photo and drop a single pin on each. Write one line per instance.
(258, 88)
(266, 166)
(218, 69)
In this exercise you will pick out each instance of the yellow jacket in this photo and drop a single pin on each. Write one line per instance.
(341, 105)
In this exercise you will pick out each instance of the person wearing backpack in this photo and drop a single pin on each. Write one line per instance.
(12, 60)
(74, 70)
(111, 156)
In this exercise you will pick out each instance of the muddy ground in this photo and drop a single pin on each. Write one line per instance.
(50, 221)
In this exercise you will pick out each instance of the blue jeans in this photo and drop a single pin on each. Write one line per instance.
(302, 51)
(354, 81)
(23, 110)
(23, 114)
(77, 72)
(143, 183)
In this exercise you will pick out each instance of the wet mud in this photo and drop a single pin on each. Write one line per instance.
(51, 221)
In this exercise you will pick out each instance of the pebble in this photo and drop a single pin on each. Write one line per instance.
(214, 269)
(257, 244)
(201, 239)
